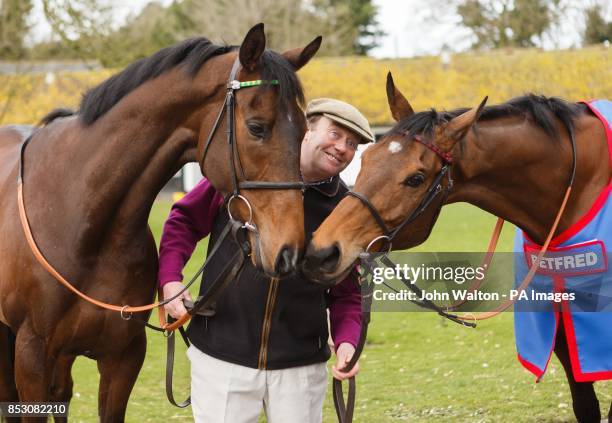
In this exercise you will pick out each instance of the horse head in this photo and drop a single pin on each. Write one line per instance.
(252, 153)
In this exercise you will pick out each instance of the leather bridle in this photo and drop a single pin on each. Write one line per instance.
(229, 109)
(435, 188)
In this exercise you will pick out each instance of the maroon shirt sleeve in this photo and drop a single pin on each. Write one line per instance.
(189, 221)
(345, 312)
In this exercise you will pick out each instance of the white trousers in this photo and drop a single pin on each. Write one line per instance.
(223, 392)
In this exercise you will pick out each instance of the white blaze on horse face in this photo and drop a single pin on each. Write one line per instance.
(395, 147)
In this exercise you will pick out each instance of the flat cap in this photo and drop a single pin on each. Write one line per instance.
(344, 114)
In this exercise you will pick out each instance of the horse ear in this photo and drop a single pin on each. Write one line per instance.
(400, 108)
(459, 126)
(252, 47)
(298, 57)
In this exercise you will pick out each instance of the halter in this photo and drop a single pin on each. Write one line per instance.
(434, 189)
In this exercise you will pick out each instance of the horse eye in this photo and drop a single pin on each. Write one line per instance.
(414, 180)
(257, 130)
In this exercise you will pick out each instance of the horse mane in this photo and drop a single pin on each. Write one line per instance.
(60, 112)
(542, 110)
(191, 53)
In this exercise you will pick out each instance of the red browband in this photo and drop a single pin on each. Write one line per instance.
(444, 155)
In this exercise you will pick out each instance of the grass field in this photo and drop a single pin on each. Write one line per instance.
(415, 366)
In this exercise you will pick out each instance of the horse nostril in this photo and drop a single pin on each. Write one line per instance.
(323, 260)
(331, 258)
(286, 261)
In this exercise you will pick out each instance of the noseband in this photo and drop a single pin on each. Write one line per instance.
(435, 188)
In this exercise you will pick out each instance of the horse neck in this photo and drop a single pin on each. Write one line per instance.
(130, 152)
(515, 171)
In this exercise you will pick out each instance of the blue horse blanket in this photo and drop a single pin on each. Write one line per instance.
(574, 273)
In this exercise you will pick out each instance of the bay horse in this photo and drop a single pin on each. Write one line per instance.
(89, 184)
(515, 163)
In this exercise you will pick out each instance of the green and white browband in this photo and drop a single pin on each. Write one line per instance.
(236, 85)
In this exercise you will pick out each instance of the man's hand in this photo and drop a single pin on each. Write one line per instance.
(175, 308)
(344, 352)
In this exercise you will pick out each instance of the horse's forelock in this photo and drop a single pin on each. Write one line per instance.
(275, 66)
(421, 123)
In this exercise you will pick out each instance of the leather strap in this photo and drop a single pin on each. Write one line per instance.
(434, 189)
(532, 271)
(428, 304)
(204, 306)
(486, 264)
(345, 411)
(170, 368)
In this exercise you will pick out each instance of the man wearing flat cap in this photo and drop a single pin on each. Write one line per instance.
(266, 347)
(335, 129)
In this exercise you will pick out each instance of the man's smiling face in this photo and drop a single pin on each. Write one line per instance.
(327, 149)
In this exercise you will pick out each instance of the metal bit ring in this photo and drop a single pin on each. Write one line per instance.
(249, 223)
(367, 250)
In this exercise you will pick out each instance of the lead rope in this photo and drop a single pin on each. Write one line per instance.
(532, 270)
(204, 305)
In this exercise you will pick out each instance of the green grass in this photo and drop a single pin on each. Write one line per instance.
(415, 367)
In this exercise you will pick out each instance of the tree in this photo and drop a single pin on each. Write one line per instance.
(347, 26)
(360, 18)
(597, 30)
(13, 27)
(153, 28)
(508, 23)
(82, 27)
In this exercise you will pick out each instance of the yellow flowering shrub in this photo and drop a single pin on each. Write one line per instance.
(27, 98)
(426, 82)
(464, 81)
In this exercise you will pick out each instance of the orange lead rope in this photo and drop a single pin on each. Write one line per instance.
(486, 262)
(534, 267)
(124, 310)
